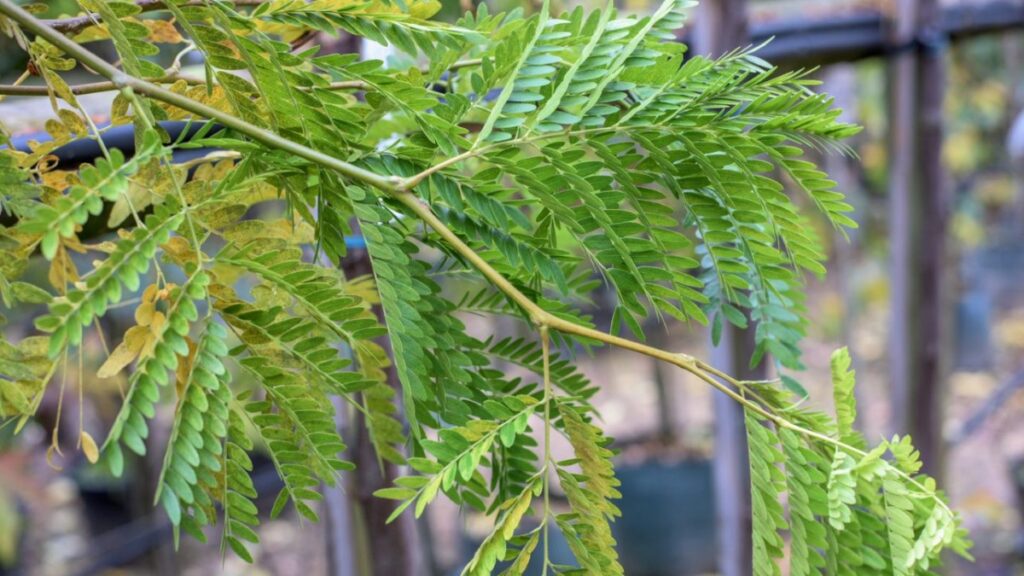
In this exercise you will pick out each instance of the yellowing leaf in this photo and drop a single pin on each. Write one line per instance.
(179, 251)
(119, 110)
(163, 32)
(56, 179)
(154, 328)
(50, 453)
(62, 270)
(424, 9)
(248, 230)
(73, 122)
(144, 313)
(149, 294)
(92, 453)
(57, 130)
(135, 338)
(184, 368)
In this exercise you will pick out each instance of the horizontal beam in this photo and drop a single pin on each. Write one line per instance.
(836, 39)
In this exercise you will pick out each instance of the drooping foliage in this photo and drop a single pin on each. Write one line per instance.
(532, 165)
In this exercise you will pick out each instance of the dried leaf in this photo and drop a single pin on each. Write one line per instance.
(62, 270)
(50, 452)
(89, 448)
(163, 32)
(135, 339)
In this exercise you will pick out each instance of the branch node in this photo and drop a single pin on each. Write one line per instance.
(121, 80)
(399, 184)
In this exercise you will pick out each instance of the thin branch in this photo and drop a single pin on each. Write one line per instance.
(546, 349)
(78, 23)
(88, 88)
(96, 87)
(109, 86)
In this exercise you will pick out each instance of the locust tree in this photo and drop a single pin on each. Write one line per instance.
(505, 165)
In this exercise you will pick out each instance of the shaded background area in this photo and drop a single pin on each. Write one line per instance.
(928, 294)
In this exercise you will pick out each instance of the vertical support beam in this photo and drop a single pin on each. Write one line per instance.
(920, 335)
(722, 26)
(383, 549)
(339, 535)
(731, 464)
(841, 80)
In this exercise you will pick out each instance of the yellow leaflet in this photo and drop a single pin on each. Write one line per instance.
(119, 110)
(62, 269)
(162, 32)
(149, 186)
(424, 9)
(268, 296)
(179, 251)
(89, 448)
(58, 131)
(363, 288)
(135, 338)
(280, 229)
(93, 33)
(213, 170)
(155, 326)
(184, 368)
(57, 179)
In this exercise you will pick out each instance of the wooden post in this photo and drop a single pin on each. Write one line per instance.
(920, 335)
(722, 26)
(389, 548)
(731, 464)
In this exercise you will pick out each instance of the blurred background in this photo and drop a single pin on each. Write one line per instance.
(928, 294)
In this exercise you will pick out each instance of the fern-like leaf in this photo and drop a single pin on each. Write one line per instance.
(130, 259)
(170, 344)
(193, 459)
(106, 181)
(767, 483)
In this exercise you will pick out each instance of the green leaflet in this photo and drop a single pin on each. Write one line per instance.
(320, 295)
(435, 358)
(128, 34)
(297, 338)
(766, 484)
(188, 483)
(406, 32)
(850, 512)
(842, 393)
(131, 258)
(237, 492)
(899, 517)
(459, 452)
(842, 490)
(297, 427)
(322, 298)
(807, 503)
(495, 545)
(538, 32)
(527, 354)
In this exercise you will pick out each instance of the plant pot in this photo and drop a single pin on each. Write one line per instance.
(667, 526)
